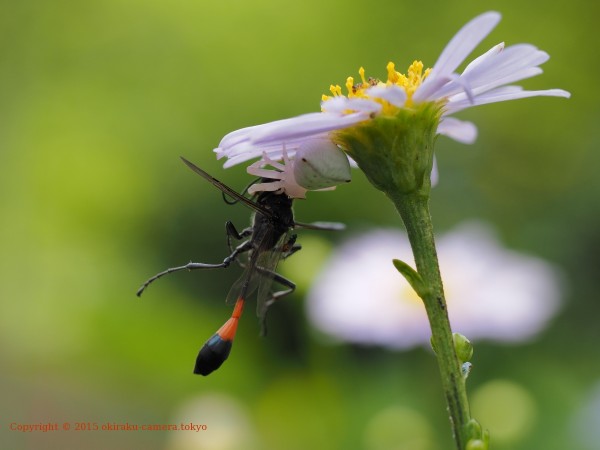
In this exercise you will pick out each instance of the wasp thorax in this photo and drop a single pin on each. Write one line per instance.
(320, 164)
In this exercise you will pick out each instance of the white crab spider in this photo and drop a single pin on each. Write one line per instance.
(318, 164)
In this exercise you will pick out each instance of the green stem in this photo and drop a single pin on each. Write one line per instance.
(414, 210)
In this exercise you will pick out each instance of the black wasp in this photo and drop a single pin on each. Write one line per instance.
(268, 240)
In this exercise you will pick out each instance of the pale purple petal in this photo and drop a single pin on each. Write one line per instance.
(428, 90)
(492, 97)
(513, 64)
(464, 42)
(460, 101)
(435, 173)
(503, 94)
(512, 60)
(248, 145)
(342, 105)
(306, 125)
(511, 78)
(237, 136)
(459, 130)
(485, 57)
(391, 94)
(247, 150)
(459, 47)
(458, 94)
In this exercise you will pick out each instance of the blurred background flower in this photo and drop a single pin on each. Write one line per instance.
(97, 101)
(491, 292)
(230, 424)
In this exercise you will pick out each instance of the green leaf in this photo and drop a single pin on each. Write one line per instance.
(413, 278)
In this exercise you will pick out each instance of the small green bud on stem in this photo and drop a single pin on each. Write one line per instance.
(463, 347)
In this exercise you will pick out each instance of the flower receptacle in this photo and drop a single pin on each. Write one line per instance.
(395, 151)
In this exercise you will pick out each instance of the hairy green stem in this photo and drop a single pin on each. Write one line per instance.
(414, 210)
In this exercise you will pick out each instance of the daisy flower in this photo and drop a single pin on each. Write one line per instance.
(433, 95)
(492, 292)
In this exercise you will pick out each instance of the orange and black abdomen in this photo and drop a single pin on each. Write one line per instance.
(212, 355)
(216, 350)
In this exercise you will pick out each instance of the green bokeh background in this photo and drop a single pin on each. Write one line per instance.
(97, 101)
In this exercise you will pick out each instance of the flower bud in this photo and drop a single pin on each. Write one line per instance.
(476, 444)
(463, 347)
(473, 429)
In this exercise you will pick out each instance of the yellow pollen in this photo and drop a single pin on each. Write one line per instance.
(361, 72)
(409, 82)
(393, 76)
(349, 84)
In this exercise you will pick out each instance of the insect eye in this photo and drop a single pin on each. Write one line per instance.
(321, 164)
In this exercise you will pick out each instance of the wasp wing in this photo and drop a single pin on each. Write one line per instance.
(245, 285)
(226, 189)
(267, 267)
(260, 272)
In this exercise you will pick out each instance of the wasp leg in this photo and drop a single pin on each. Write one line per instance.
(293, 249)
(243, 247)
(232, 232)
(290, 247)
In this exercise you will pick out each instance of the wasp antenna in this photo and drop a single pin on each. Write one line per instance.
(244, 192)
(226, 189)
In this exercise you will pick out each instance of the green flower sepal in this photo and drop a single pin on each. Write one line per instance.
(395, 150)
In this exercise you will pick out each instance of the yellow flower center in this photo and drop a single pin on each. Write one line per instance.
(409, 82)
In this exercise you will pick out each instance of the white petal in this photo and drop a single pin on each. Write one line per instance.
(459, 47)
(392, 94)
(459, 130)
